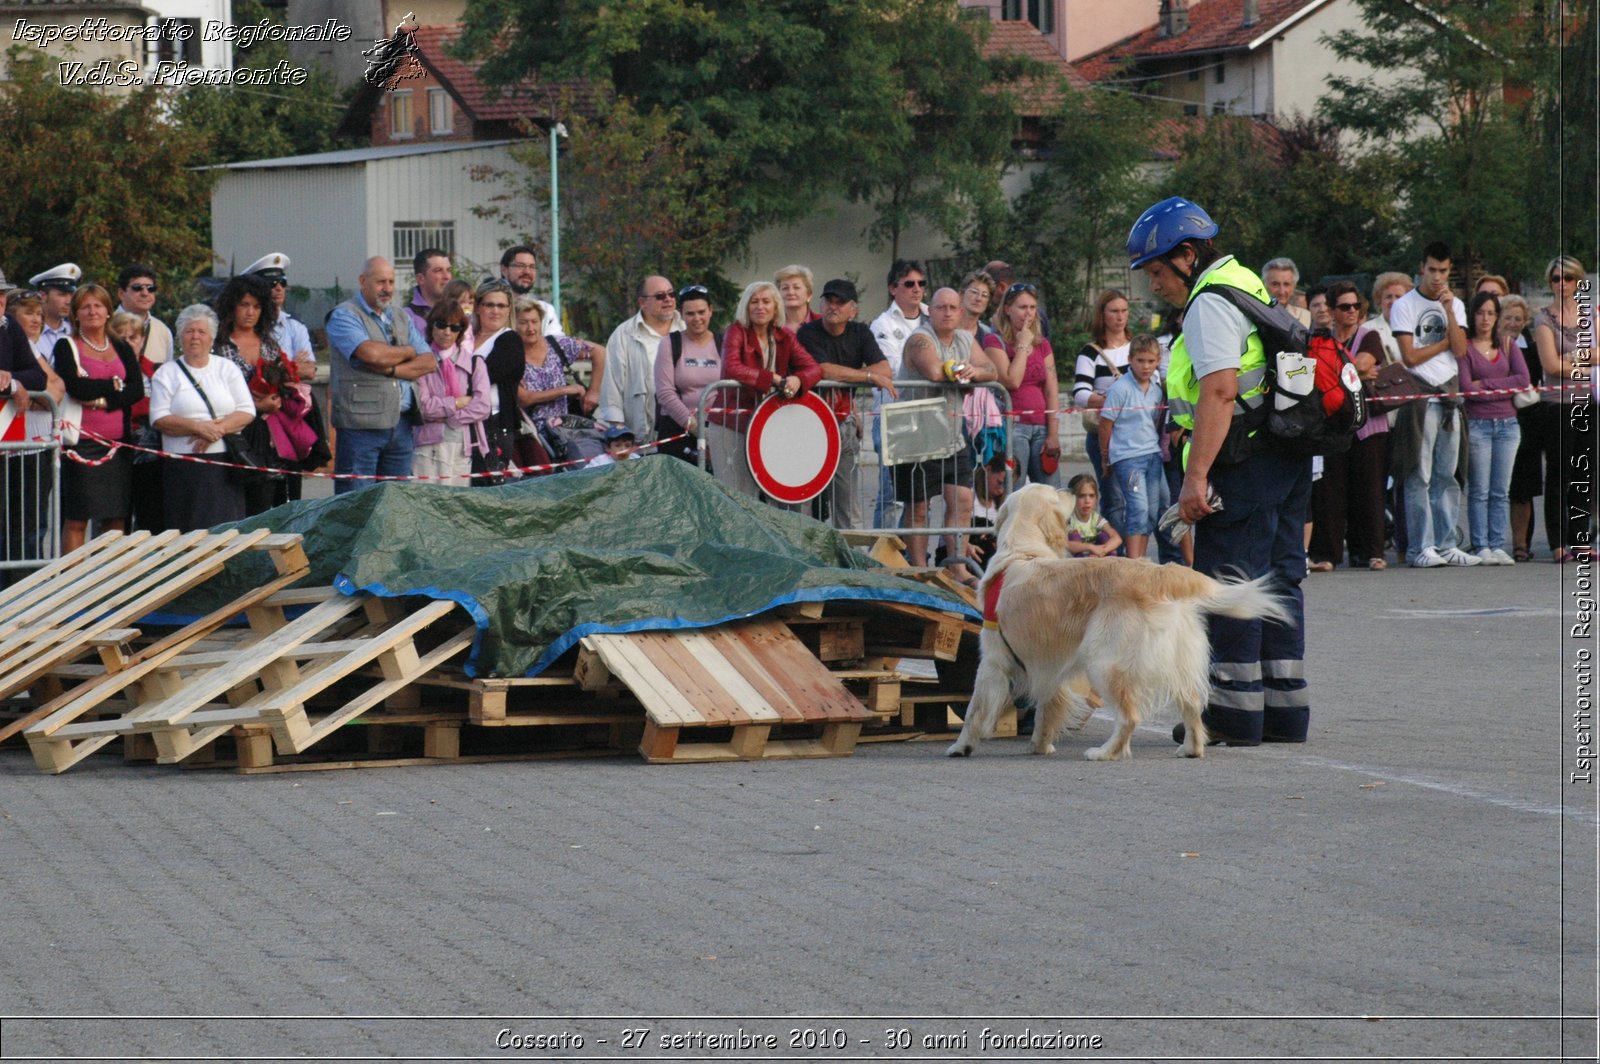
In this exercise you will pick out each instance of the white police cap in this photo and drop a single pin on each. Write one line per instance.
(271, 266)
(66, 276)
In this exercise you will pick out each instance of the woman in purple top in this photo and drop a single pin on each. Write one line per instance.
(686, 363)
(1491, 371)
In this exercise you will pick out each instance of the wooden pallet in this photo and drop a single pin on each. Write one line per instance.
(87, 601)
(185, 701)
(748, 679)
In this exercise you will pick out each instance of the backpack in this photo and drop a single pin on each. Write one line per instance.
(1314, 402)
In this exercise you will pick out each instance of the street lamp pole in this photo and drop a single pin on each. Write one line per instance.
(556, 130)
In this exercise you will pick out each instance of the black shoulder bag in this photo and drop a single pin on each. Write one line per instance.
(235, 447)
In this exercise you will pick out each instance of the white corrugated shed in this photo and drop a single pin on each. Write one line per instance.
(329, 212)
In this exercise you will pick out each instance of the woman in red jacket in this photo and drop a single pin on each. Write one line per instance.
(764, 357)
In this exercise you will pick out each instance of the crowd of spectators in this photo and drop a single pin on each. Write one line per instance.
(455, 382)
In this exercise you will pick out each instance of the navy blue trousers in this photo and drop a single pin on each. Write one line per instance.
(1258, 686)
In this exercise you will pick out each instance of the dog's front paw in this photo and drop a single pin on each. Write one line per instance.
(959, 748)
(1103, 753)
(1044, 748)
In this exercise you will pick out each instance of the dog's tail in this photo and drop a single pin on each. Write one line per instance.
(1247, 600)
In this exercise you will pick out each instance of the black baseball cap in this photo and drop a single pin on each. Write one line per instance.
(840, 289)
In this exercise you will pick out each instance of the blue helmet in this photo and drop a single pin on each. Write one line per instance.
(1165, 226)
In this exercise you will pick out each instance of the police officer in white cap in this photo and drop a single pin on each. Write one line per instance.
(290, 333)
(56, 287)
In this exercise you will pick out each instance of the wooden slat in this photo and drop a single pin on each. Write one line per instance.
(754, 705)
(713, 702)
(196, 693)
(822, 698)
(774, 689)
(43, 583)
(146, 663)
(183, 572)
(662, 702)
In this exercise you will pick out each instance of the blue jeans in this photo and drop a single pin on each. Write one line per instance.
(1433, 498)
(1491, 450)
(372, 452)
(1029, 441)
(1143, 483)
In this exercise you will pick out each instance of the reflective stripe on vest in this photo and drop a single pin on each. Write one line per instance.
(1183, 388)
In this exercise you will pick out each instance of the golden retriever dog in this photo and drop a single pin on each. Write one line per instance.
(1133, 629)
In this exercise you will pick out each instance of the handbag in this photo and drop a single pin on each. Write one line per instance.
(71, 411)
(1090, 417)
(1525, 397)
(1394, 386)
(235, 447)
(148, 440)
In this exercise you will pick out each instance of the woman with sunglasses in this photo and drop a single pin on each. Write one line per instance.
(687, 362)
(1559, 332)
(501, 351)
(461, 294)
(1027, 367)
(453, 399)
(1347, 500)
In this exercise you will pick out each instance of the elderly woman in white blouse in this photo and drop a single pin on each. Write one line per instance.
(196, 400)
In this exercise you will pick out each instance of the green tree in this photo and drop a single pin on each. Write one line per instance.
(103, 180)
(262, 122)
(1072, 220)
(1307, 193)
(955, 113)
(1463, 149)
(638, 196)
(792, 99)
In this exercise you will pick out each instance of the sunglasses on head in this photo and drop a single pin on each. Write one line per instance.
(693, 291)
(1021, 287)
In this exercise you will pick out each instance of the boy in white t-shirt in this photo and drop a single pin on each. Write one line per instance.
(1428, 324)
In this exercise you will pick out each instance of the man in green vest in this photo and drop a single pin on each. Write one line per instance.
(1216, 390)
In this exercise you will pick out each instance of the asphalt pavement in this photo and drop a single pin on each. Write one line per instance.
(1416, 882)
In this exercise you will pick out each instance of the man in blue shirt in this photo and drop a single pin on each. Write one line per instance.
(377, 353)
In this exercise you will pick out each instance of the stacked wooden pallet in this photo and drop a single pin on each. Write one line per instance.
(315, 669)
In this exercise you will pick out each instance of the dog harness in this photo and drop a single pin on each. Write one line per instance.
(991, 598)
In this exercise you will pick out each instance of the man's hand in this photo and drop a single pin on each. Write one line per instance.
(1192, 502)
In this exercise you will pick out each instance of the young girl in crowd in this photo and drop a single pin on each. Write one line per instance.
(1088, 534)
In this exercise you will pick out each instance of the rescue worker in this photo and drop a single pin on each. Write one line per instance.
(1215, 389)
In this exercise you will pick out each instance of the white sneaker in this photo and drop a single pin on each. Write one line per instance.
(1457, 556)
(1502, 558)
(1428, 558)
(1486, 557)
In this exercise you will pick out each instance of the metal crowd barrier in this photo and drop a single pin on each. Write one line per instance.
(863, 497)
(30, 474)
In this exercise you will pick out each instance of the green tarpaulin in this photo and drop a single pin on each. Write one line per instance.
(541, 563)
